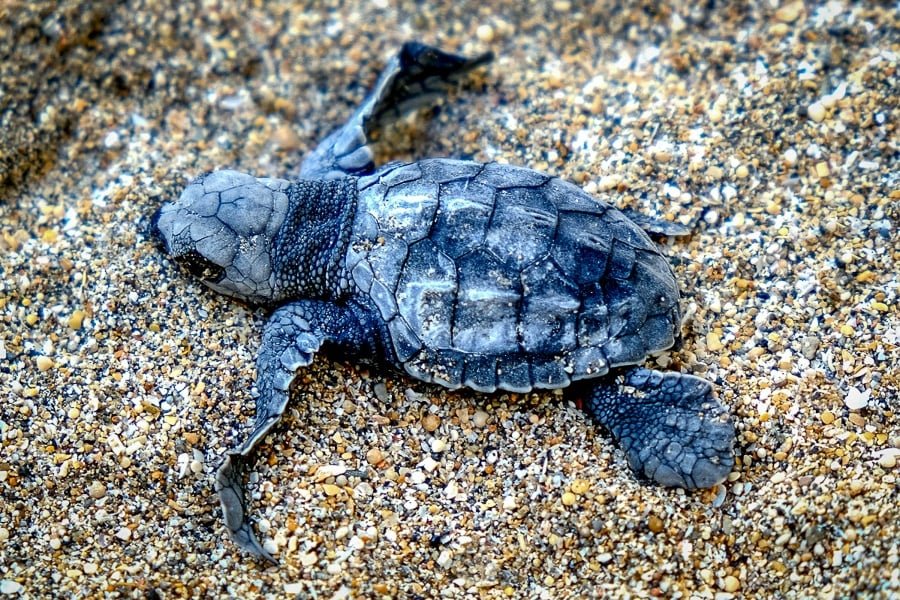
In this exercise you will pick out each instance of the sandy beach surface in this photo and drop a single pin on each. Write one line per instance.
(770, 128)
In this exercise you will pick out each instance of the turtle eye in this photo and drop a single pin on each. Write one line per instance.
(200, 266)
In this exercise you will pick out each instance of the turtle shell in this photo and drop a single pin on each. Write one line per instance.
(492, 276)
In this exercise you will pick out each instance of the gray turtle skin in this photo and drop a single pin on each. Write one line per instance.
(483, 276)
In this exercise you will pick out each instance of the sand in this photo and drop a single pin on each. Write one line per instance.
(771, 130)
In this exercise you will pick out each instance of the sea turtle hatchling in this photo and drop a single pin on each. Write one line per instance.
(485, 276)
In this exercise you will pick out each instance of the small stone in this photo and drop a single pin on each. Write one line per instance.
(374, 456)
(295, 589)
(76, 319)
(97, 490)
(742, 172)
(44, 363)
(112, 140)
(4, 534)
(509, 503)
(580, 486)
(790, 156)
(9, 587)
(856, 399)
(485, 33)
(655, 524)
(816, 112)
(888, 460)
(789, 12)
(124, 534)
(713, 343)
(431, 422)
(191, 438)
(330, 489)
(90, 568)
(731, 584)
(808, 347)
(569, 499)
(480, 418)
(438, 445)
(429, 464)
(286, 138)
(822, 169)
(827, 417)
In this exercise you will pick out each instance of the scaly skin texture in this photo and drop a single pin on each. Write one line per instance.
(458, 273)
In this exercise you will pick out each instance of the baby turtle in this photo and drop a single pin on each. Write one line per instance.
(484, 276)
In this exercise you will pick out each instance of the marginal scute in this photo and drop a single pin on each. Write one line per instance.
(405, 342)
(507, 176)
(480, 372)
(220, 181)
(401, 174)
(443, 170)
(407, 211)
(548, 373)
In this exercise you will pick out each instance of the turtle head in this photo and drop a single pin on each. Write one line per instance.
(222, 230)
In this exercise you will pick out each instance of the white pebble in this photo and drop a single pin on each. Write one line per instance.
(10, 587)
(480, 418)
(444, 559)
(438, 445)
(856, 399)
(816, 112)
(790, 156)
(123, 534)
(112, 140)
(509, 503)
(429, 464)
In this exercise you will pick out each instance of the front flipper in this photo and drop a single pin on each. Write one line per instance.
(671, 428)
(413, 78)
(292, 336)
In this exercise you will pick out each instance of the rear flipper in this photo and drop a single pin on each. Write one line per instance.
(671, 428)
(415, 77)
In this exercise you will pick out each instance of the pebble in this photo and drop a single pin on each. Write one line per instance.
(485, 33)
(857, 399)
(480, 418)
(790, 156)
(438, 445)
(888, 460)
(430, 422)
(374, 456)
(97, 490)
(790, 12)
(816, 112)
(76, 319)
(569, 499)
(124, 534)
(731, 584)
(4, 534)
(90, 568)
(44, 363)
(10, 587)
